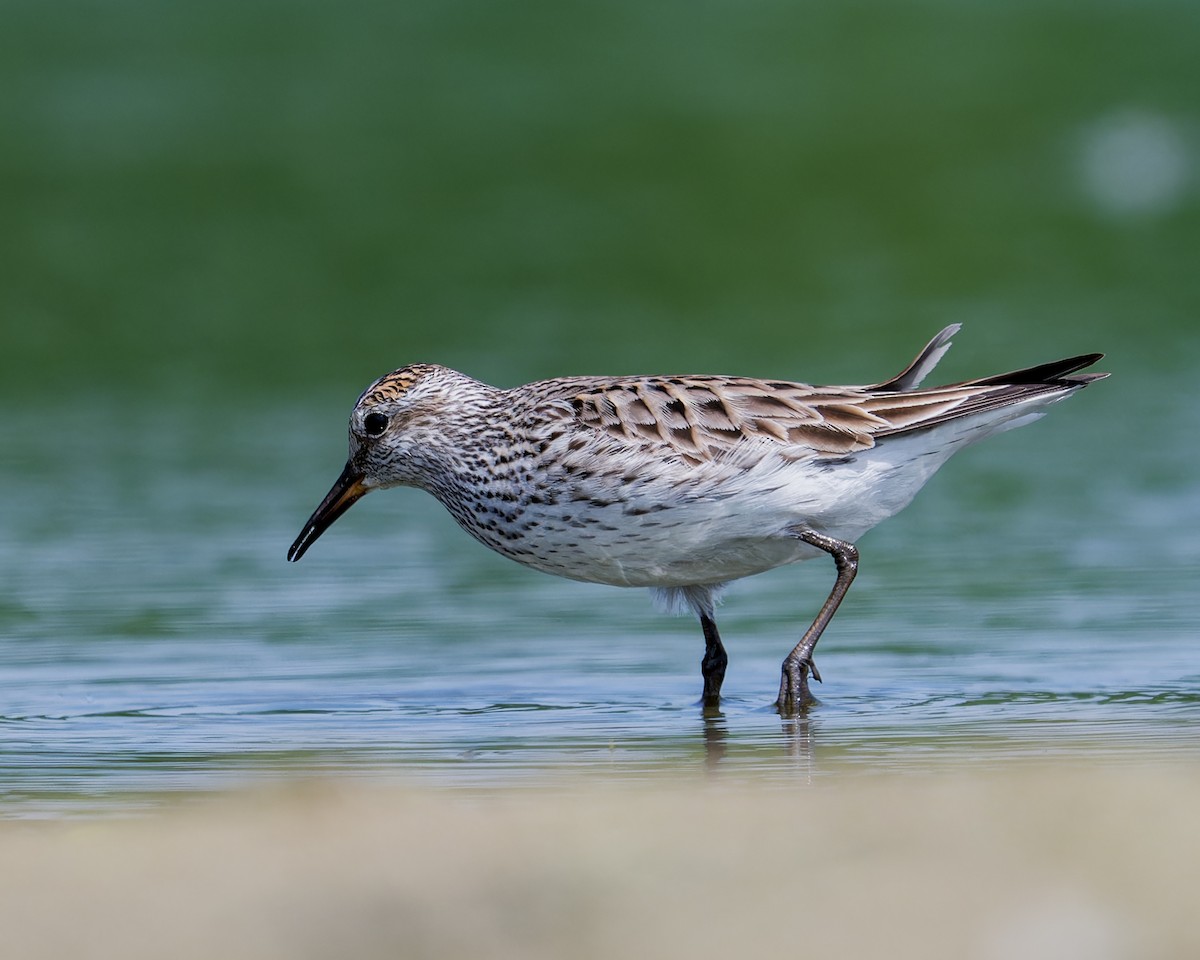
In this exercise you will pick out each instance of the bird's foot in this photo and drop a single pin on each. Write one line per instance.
(794, 696)
(712, 669)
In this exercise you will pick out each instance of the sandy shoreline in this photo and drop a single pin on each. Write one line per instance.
(1036, 861)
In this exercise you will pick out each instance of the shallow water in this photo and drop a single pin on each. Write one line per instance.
(220, 223)
(1029, 604)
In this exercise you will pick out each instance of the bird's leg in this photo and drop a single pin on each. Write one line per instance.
(712, 667)
(794, 694)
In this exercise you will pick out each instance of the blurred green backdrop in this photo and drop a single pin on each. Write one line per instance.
(238, 195)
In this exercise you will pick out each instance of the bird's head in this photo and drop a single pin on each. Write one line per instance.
(393, 428)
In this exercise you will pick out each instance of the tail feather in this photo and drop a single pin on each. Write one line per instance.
(1047, 382)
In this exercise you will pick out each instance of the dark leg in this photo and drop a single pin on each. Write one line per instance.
(793, 686)
(712, 667)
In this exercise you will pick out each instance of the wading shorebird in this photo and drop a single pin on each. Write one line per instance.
(680, 484)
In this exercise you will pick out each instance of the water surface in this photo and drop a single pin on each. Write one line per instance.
(1029, 604)
(220, 221)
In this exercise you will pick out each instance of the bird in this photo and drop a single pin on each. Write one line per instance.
(679, 483)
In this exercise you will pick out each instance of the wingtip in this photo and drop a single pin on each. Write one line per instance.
(1063, 371)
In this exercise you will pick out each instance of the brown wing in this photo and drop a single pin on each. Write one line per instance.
(705, 418)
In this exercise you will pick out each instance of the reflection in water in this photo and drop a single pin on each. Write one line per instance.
(716, 735)
(797, 738)
(793, 746)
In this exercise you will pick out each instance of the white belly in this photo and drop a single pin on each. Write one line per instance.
(725, 522)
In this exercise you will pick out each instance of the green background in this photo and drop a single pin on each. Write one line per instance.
(293, 197)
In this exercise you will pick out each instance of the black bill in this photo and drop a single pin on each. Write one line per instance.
(345, 491)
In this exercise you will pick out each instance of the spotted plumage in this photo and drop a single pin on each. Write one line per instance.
(680, 483)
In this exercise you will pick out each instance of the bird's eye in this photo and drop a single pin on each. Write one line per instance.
(374, 424)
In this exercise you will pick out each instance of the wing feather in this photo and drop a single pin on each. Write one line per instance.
(707, 418)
